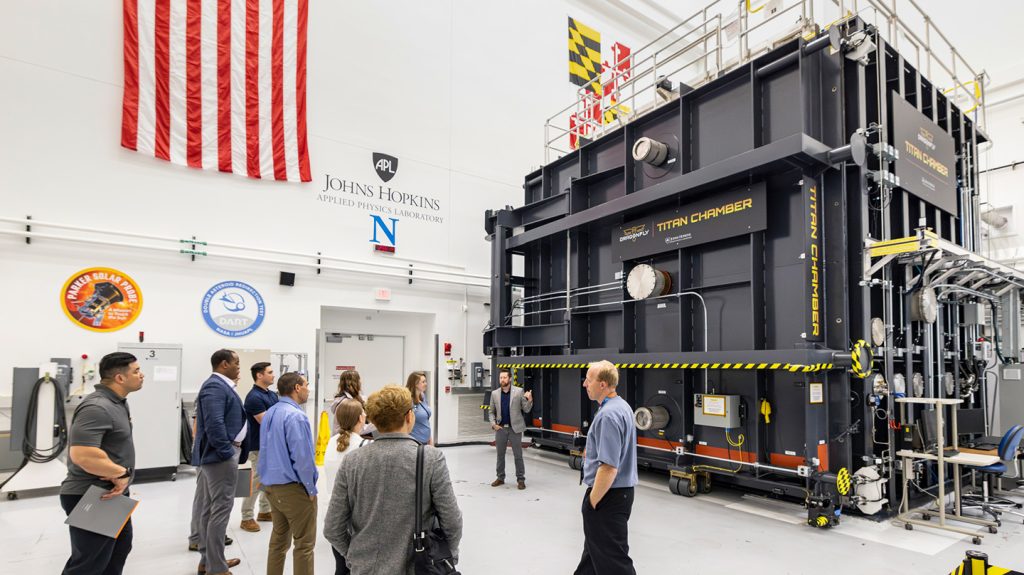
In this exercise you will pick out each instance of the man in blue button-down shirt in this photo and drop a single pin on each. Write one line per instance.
(289, 476)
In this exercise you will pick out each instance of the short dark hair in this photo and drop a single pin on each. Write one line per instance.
(257, 368)
(287, 383)
(115, 363)
(505, 370)
(220, 356)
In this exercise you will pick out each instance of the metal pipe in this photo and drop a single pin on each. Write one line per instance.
(811, 47)
(181, 241)
(955, 288)
(313, 265)
(755, 464)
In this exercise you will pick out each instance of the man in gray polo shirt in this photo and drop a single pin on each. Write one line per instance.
(609, 470)
(103, 454)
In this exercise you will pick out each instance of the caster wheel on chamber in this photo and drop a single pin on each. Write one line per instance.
(682, 486)
(12, 495)
(976, 540)
(908, 526)
(926, 517)
(993, 530)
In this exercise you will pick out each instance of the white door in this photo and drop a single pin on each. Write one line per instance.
(156, 408)
(379, 359)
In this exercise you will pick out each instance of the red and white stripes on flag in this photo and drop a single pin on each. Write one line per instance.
(218, 84)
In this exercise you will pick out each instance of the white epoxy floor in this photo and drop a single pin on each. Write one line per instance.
(539, 531)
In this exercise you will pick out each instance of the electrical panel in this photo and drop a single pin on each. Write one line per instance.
(717, 411)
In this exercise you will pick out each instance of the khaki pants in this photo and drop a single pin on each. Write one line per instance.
(257, 492)
(294, 516)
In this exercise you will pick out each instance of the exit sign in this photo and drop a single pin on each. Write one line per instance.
(382, 294)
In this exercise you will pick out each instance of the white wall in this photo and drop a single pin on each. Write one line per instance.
(458, 91)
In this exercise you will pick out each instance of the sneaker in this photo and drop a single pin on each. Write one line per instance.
(497, 482)
(522, 484)
(264, 517)
(250, 526)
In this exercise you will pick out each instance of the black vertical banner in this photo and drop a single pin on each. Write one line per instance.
(813, 261)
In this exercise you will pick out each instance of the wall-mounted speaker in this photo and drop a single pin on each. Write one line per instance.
(287, 279)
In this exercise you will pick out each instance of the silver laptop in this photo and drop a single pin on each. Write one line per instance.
(105, 517)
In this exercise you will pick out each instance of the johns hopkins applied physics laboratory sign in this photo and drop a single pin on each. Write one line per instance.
(233, 309)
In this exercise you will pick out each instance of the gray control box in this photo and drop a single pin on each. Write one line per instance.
(716, 410)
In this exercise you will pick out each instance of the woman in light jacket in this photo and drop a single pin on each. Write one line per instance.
(351, 418)
(371, 516)
(416, 383)
(350, 386)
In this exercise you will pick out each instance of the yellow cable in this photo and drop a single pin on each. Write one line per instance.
(755, 11)
(742, 438)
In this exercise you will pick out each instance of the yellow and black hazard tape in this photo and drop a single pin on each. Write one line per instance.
(791, 367)
(862, 358)
(976, 563)
(843, 481)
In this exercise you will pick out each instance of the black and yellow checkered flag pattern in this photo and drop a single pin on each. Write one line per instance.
(585, 56)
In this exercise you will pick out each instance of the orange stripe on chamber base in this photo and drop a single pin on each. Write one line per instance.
(563, 428)
(731, 454)
(822, 457)
(536, 422)
(781, 460)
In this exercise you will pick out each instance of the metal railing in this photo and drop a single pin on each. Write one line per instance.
(711, 42)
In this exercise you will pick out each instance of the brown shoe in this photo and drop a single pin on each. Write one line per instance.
(497, 482)
(250, 526)
(264, 517)
(522, 484)
(231, 563)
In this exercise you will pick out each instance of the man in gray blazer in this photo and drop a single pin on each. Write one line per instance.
(507, 406)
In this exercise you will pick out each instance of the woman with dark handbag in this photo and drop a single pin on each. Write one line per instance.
(375, 490)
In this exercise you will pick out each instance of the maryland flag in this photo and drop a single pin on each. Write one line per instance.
(585, 56)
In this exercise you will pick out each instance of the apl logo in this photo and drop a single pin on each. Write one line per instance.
(385, 165)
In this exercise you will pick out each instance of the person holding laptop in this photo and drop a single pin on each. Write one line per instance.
(102, 453)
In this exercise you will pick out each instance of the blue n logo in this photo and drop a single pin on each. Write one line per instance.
(389, 231)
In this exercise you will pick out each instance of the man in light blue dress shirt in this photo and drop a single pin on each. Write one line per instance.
(288, 472)
(609, 470)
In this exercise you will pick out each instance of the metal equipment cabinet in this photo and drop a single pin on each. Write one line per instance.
(779, 258)
(156, 408)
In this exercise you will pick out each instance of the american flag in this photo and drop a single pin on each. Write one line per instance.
(218, 85)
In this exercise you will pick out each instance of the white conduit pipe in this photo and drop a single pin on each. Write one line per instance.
(313, 265)
(186, 241)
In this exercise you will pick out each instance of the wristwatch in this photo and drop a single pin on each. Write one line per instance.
(127, 473)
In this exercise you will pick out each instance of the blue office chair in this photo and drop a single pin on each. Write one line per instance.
(996, 506)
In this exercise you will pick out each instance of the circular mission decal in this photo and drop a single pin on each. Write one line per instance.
(233, 308)
(101, 299)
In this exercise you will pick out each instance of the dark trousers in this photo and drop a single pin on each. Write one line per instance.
(340, 567)
(92, 553)
(606, 534)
